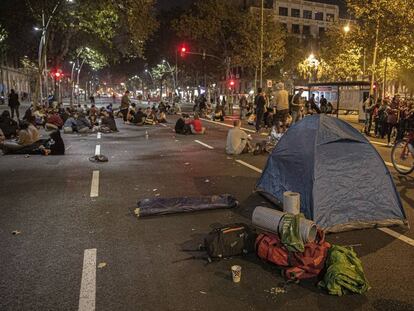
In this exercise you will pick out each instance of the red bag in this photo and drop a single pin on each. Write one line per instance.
(295, 266)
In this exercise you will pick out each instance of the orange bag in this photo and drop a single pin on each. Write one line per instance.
(295, 266)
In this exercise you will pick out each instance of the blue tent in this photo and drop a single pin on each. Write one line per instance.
(343, 181)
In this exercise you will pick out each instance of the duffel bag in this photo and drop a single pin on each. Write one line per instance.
(230, 240)
(295, 265)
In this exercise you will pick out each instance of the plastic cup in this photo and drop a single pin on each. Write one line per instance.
(236, 273)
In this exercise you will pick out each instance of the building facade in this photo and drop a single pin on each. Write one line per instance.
(301, 18)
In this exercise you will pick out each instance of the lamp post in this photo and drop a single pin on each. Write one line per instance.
(261, 43)
(43, 48)
(172, 73)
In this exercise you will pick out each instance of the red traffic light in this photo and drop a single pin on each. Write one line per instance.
(57, 74)
(183, 50)
(232, 83)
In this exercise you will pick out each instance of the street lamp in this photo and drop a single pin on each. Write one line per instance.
(43, 47)
(347, 29)
(172, 73)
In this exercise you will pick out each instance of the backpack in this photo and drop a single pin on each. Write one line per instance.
(295, 266)
(231, 240)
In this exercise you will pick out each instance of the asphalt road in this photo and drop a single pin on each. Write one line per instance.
(52, 264)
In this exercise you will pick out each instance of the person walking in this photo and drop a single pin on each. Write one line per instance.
(14, 104)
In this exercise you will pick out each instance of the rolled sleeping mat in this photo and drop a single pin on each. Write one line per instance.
(267, 219)
(291, 202)
(307, 230)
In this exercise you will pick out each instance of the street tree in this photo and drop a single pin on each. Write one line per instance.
(247, 47)
(386, 28)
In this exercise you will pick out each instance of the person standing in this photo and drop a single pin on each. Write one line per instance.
(243, 107)
(297, 107)
(14, 104)
(125, 101)
(282, 108)
(323, 104)
(392, 118)
(260, 103)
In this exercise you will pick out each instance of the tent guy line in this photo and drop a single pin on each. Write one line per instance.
(388, 231)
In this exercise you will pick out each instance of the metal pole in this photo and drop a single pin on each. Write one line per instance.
(45, 56)
(261, 44)
(72, 84)
(77, 79)
(374, 59)
(385, 79)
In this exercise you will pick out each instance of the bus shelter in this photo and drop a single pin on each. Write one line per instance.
(348, 95)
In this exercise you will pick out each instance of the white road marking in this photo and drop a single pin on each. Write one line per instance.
(227, 125)
(398, 236)
(99, 135)
(164, 125)
(203, 144)
(95, 184)
(87, 294)
(67, 148)
(254, 168)
(98, 150)
(401, 166)
(378, 143)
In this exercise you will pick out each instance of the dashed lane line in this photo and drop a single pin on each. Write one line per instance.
(205, 145)
(98, 150)
(87, 296)
(254, 168)
(227, 125)
(67, 148)
(95, 184)
(99, 135)
(388, 231)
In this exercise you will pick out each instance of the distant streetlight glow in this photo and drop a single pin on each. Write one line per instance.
(347, 28)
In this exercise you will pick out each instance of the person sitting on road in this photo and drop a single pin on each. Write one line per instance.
(238, 141)
(24, 139)
(139, 117)
(54, 121)
(108, 123)
(34, 132)
(181, 127)
(8, 125)
(82, 124)
(131, 113)
(151, 118)
(196, 126)
(218, 114)
(93, 113)
(161, 117)
(70, 125)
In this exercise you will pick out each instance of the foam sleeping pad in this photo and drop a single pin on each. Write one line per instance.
(165, 206)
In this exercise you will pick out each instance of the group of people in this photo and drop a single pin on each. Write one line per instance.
(390, 118)
(131, 114)
(24, 137)
(185, 125)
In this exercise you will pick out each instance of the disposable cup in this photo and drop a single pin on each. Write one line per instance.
(236, 273)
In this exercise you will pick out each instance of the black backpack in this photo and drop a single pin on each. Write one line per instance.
(231, 240)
